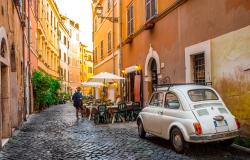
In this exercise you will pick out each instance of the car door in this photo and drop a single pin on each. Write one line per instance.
(172, 112)
(152, 116)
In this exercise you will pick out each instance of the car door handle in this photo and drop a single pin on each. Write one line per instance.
(161, 112)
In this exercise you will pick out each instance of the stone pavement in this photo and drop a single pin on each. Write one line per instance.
(56, 134)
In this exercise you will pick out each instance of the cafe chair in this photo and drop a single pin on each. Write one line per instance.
(101, 115)
(136, 109)
(121, 114)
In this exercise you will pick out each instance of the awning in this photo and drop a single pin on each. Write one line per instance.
(92, 84)
(105, 77)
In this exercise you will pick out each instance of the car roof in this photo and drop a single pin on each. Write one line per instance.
(182, 87)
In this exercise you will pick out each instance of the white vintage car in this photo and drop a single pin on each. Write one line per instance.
(188, 113)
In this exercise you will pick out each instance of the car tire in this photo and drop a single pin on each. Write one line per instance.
(178, 141)
(141, 130)
(227, 143)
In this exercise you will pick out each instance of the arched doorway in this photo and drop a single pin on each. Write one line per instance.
(152, 72)
(5, 119)
(154, 77)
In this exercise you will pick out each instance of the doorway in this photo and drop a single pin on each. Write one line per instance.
(153, 69)
(4, 100)
(5, 121)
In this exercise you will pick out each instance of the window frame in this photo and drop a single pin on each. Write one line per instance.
(109, 41)
(102, 50)
(108, 5)
(95, 55)
(130, 19)
(151, 16)
(162, 106)
(180, 104)
(204, 99)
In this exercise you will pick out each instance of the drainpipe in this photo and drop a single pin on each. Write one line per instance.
(113, 35)
(29, 41)
(120, 46)
(24, 77)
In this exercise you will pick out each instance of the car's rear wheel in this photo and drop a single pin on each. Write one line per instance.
(141, 130)
(227, 143)
(178, 141)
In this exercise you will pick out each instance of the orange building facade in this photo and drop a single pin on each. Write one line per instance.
(178, 41)
(106, 42)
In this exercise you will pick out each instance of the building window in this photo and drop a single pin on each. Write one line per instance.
(61, 72)
(89, 58)
(90, 69)
(198, 62)
(65, 41)
(64, 74)
(64, 57)
(59, 35)
(150, 9)
(130, 20)
(101, 49)
(95, 55)
(109, 41)
(51, 18)
(60, 53)
(108, 5)
(68, 60)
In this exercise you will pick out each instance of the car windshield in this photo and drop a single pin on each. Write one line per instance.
(202, 95)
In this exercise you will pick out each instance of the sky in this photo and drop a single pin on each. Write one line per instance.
(81, 12)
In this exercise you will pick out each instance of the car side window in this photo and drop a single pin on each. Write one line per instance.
(157, 99)
(171, 101)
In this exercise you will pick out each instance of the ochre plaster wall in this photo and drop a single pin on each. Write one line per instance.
(231, 72)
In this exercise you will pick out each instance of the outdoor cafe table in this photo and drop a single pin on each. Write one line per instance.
(111, 111)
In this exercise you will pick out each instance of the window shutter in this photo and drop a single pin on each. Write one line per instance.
(148, 10)
(153, 8)
(128, 21)
(132, 20)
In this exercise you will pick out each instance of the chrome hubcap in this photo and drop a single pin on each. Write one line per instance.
(177, 141)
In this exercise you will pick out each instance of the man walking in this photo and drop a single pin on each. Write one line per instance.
(77, 101)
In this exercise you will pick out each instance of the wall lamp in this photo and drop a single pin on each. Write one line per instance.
(99, 12)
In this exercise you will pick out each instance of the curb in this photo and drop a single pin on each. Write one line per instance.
(241, 148)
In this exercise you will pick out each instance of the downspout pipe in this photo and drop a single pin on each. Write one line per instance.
(29, 46)
(120, 46)
(113, 35)
(23, 68)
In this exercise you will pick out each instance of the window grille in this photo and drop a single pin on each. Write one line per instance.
(199, 68)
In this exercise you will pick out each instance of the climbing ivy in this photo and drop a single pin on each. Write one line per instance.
(45, 90)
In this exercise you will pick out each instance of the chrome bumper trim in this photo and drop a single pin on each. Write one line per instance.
(225, 135)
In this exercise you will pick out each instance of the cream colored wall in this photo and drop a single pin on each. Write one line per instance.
(48, 38)
(231, 72)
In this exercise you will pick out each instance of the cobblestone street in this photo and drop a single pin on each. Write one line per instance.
(55, 134)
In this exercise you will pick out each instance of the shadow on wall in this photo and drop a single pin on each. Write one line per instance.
(235, 91)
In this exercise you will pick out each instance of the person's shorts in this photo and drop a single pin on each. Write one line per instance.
(78, 107)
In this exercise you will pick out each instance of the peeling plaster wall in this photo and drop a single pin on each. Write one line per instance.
(231, 72)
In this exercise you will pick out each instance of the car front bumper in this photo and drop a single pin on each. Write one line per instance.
(213, 137)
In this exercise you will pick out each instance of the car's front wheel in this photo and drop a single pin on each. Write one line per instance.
(178, 141)
(141, 130)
